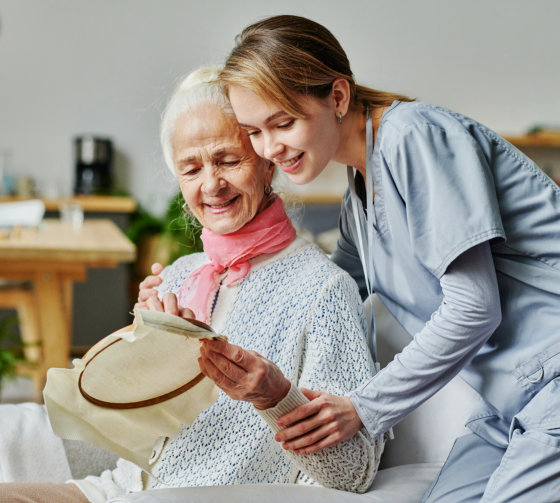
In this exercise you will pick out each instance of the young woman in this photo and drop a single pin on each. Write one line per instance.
(453, 228)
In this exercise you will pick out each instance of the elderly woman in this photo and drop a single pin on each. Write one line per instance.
(277, 298)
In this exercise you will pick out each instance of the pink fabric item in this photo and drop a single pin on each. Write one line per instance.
(270, 231)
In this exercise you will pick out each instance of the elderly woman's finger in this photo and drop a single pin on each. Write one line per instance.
(156, 268)
(145, 293)
(208, 368)
(170, 304)
(231, 352)
(154, 304)
(224, 360)
(249, 376)
(150, 282)
(185, 312)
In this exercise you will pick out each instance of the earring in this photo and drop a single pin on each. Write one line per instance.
(186, 209)
(340, 117)
(267, 190)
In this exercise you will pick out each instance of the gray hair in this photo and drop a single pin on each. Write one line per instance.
(200, 86)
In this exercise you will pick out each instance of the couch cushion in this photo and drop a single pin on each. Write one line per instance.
(402, 484)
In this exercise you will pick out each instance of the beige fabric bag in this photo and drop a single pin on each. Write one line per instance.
(135, 386)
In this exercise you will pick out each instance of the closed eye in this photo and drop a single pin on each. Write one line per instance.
(229, 163)
(190, 172)
(286, 125)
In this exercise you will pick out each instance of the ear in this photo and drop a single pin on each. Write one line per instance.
(269, 167)
(341, 96)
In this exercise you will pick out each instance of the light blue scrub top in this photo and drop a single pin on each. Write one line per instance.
(443, 184)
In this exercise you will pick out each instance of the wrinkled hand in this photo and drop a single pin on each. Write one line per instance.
(325, 421)
(147, 287)
(242, 374)
(168, 304)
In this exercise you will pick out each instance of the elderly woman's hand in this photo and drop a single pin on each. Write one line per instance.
(168, 304)
(242, 374)
(147, 287)
(325, 421)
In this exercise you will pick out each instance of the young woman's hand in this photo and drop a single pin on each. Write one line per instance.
(242, 374)
(325, 421)
(147, 287)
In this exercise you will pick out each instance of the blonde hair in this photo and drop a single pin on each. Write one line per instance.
(284, 57)
(200, 86)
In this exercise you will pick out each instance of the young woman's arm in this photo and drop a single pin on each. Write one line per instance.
(468, 315)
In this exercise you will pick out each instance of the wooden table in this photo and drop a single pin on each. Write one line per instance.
(52, 257)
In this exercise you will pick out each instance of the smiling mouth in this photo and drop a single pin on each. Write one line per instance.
(292, 161)
(219, 206)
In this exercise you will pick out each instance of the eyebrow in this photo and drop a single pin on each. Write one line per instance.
(188, 159)
(269, 119)
(221, 152)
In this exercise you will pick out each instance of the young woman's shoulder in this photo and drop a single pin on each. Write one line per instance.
(406, 124)
(417, 114)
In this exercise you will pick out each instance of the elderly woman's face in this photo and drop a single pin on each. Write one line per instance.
(221, 177)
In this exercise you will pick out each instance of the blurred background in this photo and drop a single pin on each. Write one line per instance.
(83, 84)
(106, 68)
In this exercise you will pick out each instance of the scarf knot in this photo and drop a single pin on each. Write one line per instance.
(270, 231)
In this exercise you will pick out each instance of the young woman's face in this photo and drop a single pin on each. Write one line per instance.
(300, 147)
(221, 177)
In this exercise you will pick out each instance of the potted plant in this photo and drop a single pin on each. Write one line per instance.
(11, 349)
(162, 239)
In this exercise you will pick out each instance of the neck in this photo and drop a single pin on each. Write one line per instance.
(352, 146)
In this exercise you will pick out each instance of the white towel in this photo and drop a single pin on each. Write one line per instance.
(29, 450)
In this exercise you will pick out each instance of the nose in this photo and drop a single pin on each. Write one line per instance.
(272, 147)
(212, 181)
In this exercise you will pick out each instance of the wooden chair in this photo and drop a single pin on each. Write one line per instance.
(20, 297)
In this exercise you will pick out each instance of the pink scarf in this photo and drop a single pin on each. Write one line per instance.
(270, 231)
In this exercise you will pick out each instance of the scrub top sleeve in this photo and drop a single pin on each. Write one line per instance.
(468, 315)
(345, 254)
(448, 189)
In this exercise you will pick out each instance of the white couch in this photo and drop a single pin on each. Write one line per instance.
(410, 462)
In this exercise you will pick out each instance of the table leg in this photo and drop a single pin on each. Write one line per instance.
(50, 292)
(68, 298)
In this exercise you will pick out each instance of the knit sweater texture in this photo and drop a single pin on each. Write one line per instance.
(304, 313)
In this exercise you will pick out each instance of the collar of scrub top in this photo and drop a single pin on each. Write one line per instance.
(364, 227)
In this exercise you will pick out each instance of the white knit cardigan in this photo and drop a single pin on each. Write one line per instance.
(302, 312)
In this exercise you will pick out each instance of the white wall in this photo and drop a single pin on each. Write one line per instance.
(69, 67)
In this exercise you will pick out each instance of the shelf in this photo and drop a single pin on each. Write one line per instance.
(313, 198)
(94, 204)
(542, 139)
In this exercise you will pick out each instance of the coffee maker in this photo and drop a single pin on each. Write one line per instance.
(93, 157)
